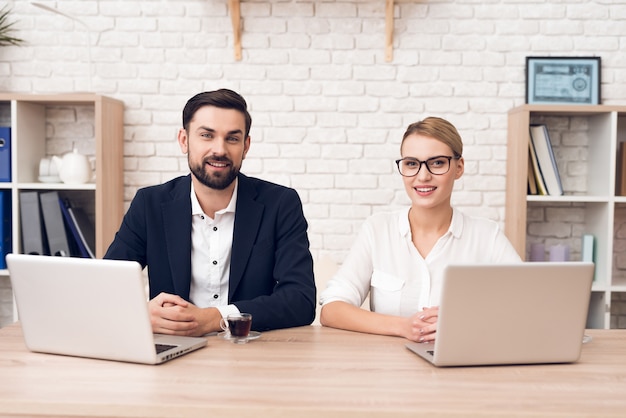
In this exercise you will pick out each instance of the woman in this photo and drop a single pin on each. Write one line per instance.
(399, 257)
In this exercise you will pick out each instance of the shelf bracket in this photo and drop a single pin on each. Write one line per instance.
(235, 18)
(389, 5)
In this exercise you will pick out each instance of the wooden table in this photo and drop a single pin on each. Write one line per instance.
(310, 372)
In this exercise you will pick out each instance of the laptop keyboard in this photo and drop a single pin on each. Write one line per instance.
(162, 347)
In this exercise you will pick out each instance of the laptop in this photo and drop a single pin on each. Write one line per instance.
(89, 308)
(522, 313)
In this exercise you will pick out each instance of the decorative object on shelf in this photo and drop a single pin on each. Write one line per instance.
(559, 252)
(6, 29)
(563, 80)
(48, 172)
(537, 252)
(74, 168)
(548, 172)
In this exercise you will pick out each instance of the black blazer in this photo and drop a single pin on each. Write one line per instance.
(271, 270)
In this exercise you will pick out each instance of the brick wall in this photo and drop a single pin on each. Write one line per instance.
(328, 111)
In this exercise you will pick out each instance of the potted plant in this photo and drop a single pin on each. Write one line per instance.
(6, 29)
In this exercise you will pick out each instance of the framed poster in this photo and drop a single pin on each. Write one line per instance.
(563, 80)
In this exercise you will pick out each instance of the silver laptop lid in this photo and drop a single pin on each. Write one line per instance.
(520, 313)
(83, 307)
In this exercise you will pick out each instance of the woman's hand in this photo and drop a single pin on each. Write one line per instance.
(423, 325)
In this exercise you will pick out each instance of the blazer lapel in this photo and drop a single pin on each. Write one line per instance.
(177, 228)
(248, 214)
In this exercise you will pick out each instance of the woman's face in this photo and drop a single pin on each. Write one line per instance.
(427, 190)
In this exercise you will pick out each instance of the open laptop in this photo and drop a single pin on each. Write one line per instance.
(522, 313)
(89, 308)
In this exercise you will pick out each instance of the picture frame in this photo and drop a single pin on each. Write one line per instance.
(563, 80)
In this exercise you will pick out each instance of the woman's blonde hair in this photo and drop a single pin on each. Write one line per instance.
(439, 129)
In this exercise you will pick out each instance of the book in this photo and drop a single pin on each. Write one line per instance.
(620, 186)
(545, 159)
(5, 154)
(5, 226)
(31, 224)
(536, 173)
(532, 180)
(588, 249)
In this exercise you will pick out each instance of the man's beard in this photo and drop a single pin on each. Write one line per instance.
(218, 181)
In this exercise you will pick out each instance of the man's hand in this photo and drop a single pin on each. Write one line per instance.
(171, 314)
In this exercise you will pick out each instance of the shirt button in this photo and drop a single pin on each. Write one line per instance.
(215, 228)
(214, 262)
(216, 296)
(202, 217)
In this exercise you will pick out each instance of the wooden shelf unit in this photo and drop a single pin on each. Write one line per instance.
(28, 143)
(590, 201)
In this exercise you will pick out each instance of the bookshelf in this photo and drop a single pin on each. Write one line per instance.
(585, 140)
(46, 125)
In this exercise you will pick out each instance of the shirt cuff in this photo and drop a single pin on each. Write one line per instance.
(228, 310)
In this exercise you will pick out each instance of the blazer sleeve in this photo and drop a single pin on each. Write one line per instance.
(130, 240)
(280, 258)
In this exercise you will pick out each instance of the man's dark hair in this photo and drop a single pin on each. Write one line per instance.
(222, 98)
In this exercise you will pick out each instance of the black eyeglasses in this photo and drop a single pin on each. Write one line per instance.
(409, 166)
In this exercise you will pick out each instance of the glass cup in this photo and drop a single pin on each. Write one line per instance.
(237, 327)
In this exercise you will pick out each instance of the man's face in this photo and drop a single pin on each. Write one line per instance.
(215, 145)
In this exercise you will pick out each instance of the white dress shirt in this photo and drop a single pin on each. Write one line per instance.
(211, 248)
(384, 262)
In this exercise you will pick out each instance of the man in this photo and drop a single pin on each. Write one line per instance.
(215, 241)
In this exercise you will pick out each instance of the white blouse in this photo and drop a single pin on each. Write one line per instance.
(384, 262)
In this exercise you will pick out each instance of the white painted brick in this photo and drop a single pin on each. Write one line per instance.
(335, 10)
(157, 164)
(315, 103)
(320, 72)
(309, 26)
(333, 42)
(282, 135)
(293, 119)
(300, 57)
(329, 226)
(310, 181)
(139, 149)
(289, 40)
(289, 10)
(281, 165)
(358, 104)
(326, 166)
(300, 151)
(257, 9)
(367, 136)
(356, 181)
(265, 25)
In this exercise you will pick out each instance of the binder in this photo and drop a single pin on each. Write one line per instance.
(81, 229)
(5, 226)
(5, 154)
(54, 226)
(31, 224)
